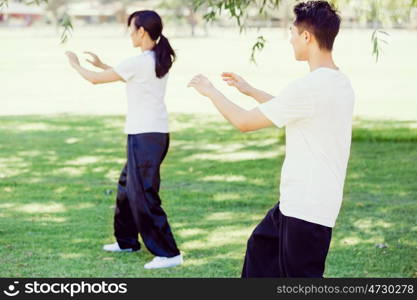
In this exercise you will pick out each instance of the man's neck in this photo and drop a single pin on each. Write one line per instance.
(321, 59)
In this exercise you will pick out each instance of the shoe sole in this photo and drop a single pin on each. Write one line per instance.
(163, 267)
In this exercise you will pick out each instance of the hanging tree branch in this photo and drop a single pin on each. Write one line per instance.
(65, 23)
(238, 10)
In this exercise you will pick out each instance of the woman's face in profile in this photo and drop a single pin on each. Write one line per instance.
(136, 35)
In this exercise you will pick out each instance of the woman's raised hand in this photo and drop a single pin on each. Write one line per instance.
(238, 82)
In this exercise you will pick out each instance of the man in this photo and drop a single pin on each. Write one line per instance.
(316, 110)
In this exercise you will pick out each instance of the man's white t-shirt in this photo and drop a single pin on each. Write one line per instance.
(317, 112)
(146, 109)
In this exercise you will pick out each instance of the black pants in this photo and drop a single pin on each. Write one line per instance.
(282, 246)
(138, 205)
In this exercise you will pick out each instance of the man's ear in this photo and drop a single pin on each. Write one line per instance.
(306, 36)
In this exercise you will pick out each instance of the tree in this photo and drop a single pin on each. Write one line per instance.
(62, 21)
(183, 10)
(379, 12)
(122, 12)
(54, 7)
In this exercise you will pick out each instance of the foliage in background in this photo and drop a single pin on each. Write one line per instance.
(182, 10)
(29, 2)
(379, 12)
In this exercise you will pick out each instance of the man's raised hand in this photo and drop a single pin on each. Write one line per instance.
(238, 82)
(202, 85)
(96, 61)
(72, 58)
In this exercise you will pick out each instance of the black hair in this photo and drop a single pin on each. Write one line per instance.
(152, 24)
(321, 19)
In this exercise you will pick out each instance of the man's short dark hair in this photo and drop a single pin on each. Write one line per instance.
(321, 19)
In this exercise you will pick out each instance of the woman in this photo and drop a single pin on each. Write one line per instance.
(138, 206)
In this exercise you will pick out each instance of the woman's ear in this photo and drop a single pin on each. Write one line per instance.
(141, 32)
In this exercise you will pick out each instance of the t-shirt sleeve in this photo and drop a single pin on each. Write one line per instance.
(294, 103)
(127, 68)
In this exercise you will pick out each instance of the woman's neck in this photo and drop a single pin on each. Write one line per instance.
(147, 44)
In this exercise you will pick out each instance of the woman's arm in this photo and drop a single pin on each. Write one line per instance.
(106, 76)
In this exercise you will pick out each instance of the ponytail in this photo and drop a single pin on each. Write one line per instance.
(164, 56)
(152, 23)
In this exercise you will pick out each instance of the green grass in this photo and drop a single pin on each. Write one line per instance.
(57, 193)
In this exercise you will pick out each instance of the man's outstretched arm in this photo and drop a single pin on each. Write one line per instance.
(242, 119)
(244, 87)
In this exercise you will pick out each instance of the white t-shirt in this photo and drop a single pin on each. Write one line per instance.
(146, 110)
(317, 112)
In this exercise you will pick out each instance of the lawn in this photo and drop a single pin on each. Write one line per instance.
(58, 182)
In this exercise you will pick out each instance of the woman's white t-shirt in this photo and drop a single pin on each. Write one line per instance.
(316, 111)
(146, 109)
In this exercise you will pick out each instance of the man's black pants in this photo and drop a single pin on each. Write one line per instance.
(282, 246)
(138, 205)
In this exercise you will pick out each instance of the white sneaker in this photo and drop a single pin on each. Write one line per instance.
(164, 262)
(116, 248)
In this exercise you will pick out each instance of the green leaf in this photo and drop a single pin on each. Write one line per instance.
(258, 46)
(376, 43)
(66, 24)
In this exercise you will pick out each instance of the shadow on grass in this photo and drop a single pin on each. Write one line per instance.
(57, 190)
